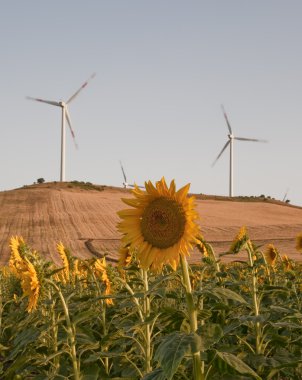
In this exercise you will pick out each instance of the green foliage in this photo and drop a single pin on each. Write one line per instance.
(173, 349)
(85, 185)
(111, 341)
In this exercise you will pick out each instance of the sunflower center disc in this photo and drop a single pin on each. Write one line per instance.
(163, 222)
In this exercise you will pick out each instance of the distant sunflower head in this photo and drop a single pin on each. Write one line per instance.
(299, 242)
(241, 241)
(64, 256)
(30, 284)
(100, 270)
(16, 261)
(286, 262)
(271, 255)
(161, 225)
(16, 244)
(203, 246)
(125, 256)
(77, 270)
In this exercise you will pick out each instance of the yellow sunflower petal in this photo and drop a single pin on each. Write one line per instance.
(182, 193)
(131, 202)
(129, 212)
(172, 188)
(30, 285)
(150, 188)
(162, 187)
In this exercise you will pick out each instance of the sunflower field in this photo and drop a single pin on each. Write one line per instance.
(153, 316)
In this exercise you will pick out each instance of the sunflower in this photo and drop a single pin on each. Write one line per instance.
(299, 242)
(286, 262)
(76, 273)
(241, 241)
(271, 255)
(125, 257)
(202, 246)
(100, 270)
(15, 244)
(64, 256)
(30, 284)
(160, 226)
(16, 261)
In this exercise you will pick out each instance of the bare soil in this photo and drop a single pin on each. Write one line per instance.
(84, 218)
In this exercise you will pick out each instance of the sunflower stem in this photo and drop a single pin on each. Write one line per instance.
(1, 306)
(70, 332)
(267, 269)
(255, 300)
(54, 330)
(139, 310)
(192, 312)
(106, 359)
(103, 319)
(148, 367)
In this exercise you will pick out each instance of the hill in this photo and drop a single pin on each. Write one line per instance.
(83, 216)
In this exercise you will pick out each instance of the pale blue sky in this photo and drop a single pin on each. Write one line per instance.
(163, 69)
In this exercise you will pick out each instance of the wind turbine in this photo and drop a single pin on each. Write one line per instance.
(125, 183)
(65, 116)
(230, 143)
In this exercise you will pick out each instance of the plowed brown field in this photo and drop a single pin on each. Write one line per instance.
(85, 221)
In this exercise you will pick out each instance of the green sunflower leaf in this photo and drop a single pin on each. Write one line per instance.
(237, 364)
(157, 374)
(172, 350)
(228, 294)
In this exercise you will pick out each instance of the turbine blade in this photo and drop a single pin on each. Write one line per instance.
(67, 116)
(140, 187)
(285, 195)
(53, 103)
(226, 119)
(247, 139)
(81, 88)
(223, 149)
(124, 175)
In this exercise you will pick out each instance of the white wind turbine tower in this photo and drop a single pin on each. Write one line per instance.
(65, 116)
(230, 143)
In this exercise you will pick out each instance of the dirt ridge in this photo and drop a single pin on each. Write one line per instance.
(84, 217)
